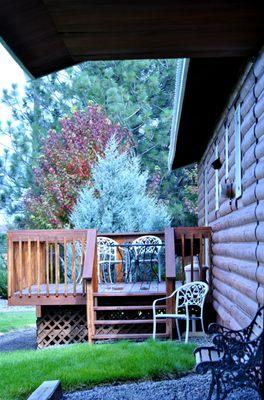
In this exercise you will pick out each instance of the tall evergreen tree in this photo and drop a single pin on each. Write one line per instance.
(136, 94)
(118, 200)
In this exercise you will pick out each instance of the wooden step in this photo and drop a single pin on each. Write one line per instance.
(127, 321)
(126, 308)
(129, 336)
(128, 294)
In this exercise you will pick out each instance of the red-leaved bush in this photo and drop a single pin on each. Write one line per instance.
(65, 164)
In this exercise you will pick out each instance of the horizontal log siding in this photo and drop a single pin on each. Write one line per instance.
(238, 225)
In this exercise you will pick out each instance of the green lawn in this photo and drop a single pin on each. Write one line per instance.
(12, 320)
(84, 365)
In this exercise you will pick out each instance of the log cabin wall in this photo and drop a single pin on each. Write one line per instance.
(237, 223)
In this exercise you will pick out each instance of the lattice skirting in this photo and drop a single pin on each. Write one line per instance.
(61, 325)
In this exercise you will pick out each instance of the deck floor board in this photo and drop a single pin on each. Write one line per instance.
(103, 289)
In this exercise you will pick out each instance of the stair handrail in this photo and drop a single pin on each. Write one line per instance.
(90, 260)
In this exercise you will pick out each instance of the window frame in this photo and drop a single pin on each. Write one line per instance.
(238, 168)
(216, 155)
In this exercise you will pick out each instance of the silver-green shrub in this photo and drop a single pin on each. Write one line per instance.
(118, 200)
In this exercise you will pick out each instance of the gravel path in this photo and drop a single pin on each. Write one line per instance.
(23, 339)
(191, 387)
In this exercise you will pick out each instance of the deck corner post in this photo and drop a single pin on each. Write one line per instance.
(10, 265)
(89, 310)
(170, 277)
(90, 279)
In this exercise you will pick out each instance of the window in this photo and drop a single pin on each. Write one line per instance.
(216, 181)
(237, 122)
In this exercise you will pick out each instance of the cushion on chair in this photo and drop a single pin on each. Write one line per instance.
(179, 316)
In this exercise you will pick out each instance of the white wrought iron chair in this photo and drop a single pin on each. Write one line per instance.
(190, 294)
(107, 251)
(150, 253)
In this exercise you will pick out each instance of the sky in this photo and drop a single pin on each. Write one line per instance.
(10, 72)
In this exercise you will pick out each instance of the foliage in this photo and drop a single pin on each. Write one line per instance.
(3, 250)
(68, 155)
(92, 365)
(3, 283)
(13, 320)
(117, 201)
(191, 190)
(136, 94)
(3, 270)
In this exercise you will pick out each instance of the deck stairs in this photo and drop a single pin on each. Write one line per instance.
(120, 316)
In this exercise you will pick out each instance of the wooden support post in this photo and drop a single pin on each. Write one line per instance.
(38, 311)
(38, 267)
(90, 311)
(65, 267)
(183, 256)
(20, 277)
(170, 307)
(90, 277)
(47, 268)
(10, 265)
(29, 268)
(57, 268)
(73, 268)
(192, 258)
(170, 278)
(210, 272)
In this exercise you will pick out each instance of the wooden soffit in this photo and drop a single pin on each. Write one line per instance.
(48, 35)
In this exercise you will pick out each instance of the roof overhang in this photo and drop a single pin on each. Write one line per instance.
(49, 35)
(182, 65)
(208, 87)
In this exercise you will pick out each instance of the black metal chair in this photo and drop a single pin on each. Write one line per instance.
(235, 359)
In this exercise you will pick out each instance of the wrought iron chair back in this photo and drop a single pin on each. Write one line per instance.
(147, 240)
(106, 257)
(191, 294)
(146, 256)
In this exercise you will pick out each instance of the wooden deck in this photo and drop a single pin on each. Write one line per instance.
(118, 289)
(45, 268)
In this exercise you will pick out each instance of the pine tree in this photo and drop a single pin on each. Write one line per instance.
(136, 94)
(118, 200)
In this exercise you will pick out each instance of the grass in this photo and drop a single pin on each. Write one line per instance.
(83, 365)
(13, 320)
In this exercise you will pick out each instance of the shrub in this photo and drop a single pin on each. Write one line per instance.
(118, 199)
(65, 165)
(3, 283)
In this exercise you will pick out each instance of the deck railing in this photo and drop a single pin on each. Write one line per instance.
(46, 262)
(59, 267)
(182, 244)
(61, 263)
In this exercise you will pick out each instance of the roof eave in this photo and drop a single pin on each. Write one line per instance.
(182, 65)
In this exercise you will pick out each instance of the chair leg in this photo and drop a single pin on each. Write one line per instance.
(202, 323)
(109, 273)
(178, 329)
(98, 273)
(187, 330)
(159, 272)
(154, 327)
(211, 389)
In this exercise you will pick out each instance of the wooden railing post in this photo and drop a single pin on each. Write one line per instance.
(90, 277)
(170, 277)
(10, 265)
